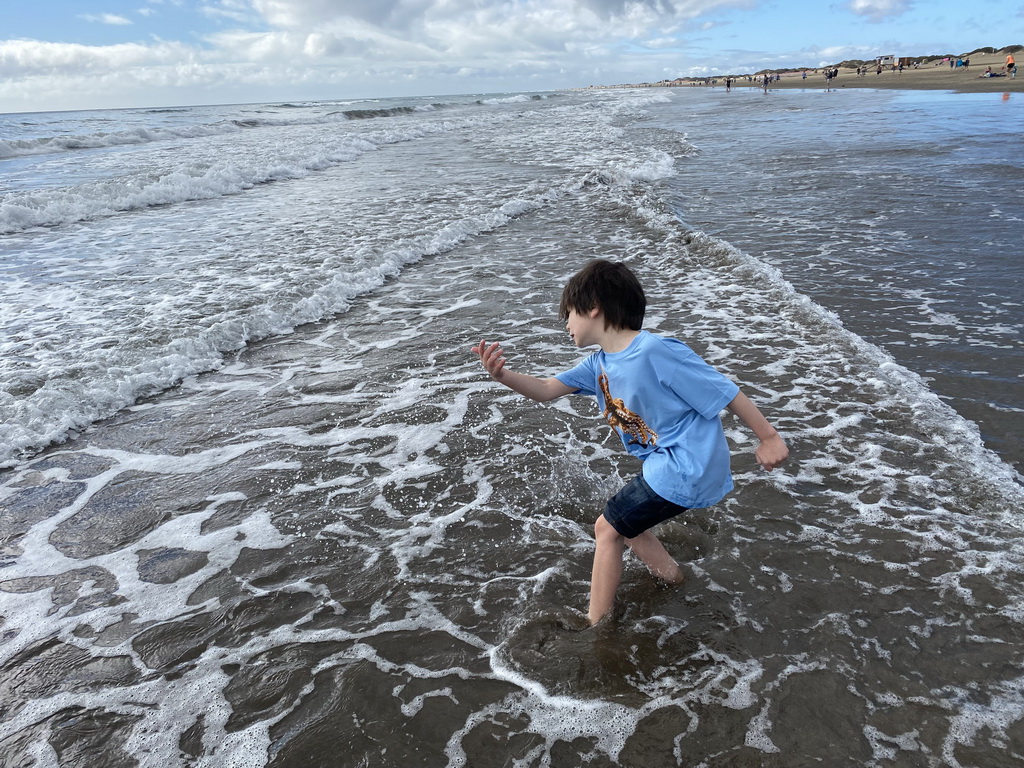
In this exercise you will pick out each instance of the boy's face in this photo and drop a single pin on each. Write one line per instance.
(584, 327)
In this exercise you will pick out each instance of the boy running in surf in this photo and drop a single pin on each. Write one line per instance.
(664, 402)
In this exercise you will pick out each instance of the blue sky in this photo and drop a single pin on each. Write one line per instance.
(82, 54)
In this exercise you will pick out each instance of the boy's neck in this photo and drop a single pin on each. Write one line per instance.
(617, 339)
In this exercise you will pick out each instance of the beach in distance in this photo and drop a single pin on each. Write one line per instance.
(933, 74)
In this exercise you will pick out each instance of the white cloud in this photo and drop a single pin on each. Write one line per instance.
(408, 15)
(661, 42)
(276, 48)
(238, 11)
(879, 10)
(106, 18)
(30, 58)
(451, 33)
(43, 75)
(267, 49)
(391, 38)
(308, 13)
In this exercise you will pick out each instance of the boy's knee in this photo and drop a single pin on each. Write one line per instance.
(603, 531)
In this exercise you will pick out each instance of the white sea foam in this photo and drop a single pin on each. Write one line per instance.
(51, 144)
(228, 163)
(882, 372)
(190, 125)
(56, 405)
(519, 98)
(24, 210)
(54, 409)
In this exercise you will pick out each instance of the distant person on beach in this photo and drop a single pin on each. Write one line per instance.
(662, 400)
(1011, 65)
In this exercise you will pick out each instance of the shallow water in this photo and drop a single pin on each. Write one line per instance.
(345, 537)
(894, 209)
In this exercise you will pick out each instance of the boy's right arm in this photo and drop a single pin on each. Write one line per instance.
(493, 359)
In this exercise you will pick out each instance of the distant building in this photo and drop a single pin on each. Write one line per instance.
(885, 61)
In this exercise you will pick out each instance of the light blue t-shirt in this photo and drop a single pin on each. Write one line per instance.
(664, 401)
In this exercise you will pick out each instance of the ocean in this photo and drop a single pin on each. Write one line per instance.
(260, 506)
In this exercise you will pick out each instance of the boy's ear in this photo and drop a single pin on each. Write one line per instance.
(594, 313)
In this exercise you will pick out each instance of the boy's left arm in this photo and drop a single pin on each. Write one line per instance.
(772, 451)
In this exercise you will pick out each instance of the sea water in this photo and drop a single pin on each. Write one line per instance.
(259, 505)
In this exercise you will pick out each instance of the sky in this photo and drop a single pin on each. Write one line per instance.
(97, 54)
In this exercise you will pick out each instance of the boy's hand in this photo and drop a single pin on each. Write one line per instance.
(771, 452)
(492, 356)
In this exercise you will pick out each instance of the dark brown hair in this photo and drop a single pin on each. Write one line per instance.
(611, 286)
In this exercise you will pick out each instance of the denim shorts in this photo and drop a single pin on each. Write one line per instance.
(637, 508)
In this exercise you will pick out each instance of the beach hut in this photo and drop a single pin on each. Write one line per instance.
(885, 61)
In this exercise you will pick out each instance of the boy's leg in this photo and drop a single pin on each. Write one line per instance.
(648, 548)
(607, 573)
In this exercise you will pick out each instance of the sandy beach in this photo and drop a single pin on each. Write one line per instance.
(933, 75)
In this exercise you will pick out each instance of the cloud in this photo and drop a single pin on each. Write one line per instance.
(30, 58)
(238, 11)
(42, 75)
(495, 31)
(406, 15)
(661, 42)
(662, 9)
(106, 18)
(262, 49)
(310, 13)
(879, 10)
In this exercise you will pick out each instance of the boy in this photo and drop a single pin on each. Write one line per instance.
(664, 402)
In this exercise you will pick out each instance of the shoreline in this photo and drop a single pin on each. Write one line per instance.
(933, 75)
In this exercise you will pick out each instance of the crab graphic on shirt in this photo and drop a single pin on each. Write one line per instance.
(618, 415)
